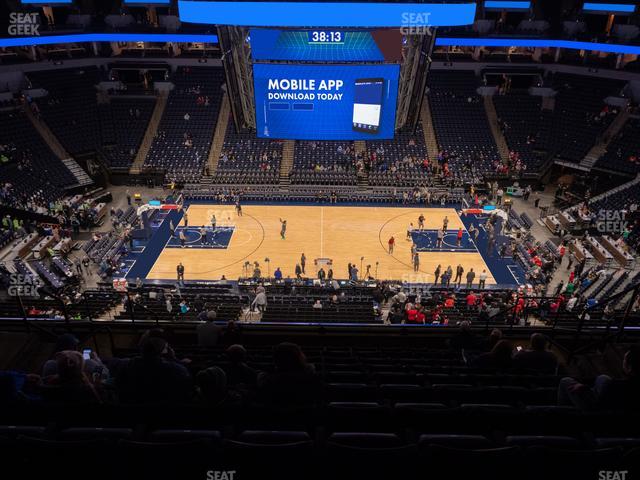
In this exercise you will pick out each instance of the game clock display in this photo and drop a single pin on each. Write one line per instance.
(325, 36)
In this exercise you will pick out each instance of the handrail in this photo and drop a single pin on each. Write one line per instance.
(633, 288)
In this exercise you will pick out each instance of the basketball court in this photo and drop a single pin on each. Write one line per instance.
(339, 234)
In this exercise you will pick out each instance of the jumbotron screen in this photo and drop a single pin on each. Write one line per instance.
(325, 102)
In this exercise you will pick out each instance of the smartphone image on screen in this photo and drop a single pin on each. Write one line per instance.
(367, 104)
(86, 354)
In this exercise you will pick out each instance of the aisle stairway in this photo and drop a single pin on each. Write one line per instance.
(360, 147)
(218, 136)
(82, 179)
(430, 138)
(81, 176)
(150, 134)
(48, 136)
(600, 148)
(286, 165)
(492, 117)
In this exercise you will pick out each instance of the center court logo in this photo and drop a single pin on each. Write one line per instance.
(24, 24)
(415, 23)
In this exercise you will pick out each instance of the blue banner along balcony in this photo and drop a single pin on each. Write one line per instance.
(330, 14)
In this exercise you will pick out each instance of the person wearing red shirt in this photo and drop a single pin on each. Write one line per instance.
(412, 315)
(459, 238)
(471, 300)
(392, 243)
(449, 302)
(519, 306)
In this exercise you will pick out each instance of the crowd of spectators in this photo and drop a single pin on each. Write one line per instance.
(158, 374)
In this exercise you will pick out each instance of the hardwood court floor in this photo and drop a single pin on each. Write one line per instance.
(343, 234)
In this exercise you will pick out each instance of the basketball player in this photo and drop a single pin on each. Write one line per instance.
(421, 222)
(213, 221)
(445, 223)
(238, 208)
(283, 229)
(392, 243)
(472, 231)
(203, 235)
(182, 237)
(440, 239)
(409, 230)
(186, 219)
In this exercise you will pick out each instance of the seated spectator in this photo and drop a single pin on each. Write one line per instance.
(93, 366)
(465, 339)
(396, 314)
(294, 381)
(212, 386)
(499, 358)
(450, 302)
(238, 372)
(153, 378)
(606, 393)
(537, 358)
(17, 388)
(232, 334)
(70, 385)
(208, 332)
(494, 337)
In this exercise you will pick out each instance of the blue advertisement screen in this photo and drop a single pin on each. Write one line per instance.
(326, 45)
(325, 102)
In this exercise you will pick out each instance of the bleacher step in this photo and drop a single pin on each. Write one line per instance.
(428, 130)
(492, 117)
(286, 165)
(77, 171)
(220, 132)
(600, 148)
(150, 134)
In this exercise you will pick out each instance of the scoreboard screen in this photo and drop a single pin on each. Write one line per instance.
(325, 102)
(329, 45)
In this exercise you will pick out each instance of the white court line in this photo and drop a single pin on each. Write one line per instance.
(514, 277)
(321, 232)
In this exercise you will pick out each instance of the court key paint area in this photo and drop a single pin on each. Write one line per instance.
(342, 234)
